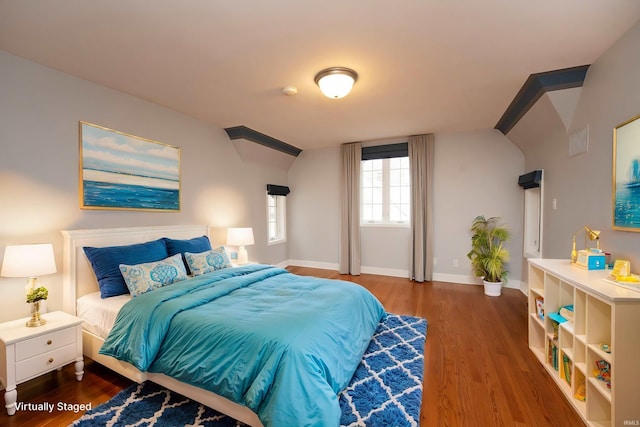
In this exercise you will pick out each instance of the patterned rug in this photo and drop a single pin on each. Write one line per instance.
(386, 389)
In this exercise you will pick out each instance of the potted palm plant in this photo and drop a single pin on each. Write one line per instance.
(488, 254)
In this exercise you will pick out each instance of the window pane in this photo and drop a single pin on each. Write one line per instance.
(366, 195)
(399, 213)
(377, 178)
(395, 195)
(367, 179)
(276, 217)
(405, 177)
(394, 177)
(376, 213)
(395, 163)
(366, 213)
(385, 190)
(405, 195)
(376, 195)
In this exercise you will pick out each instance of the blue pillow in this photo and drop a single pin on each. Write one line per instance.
(195, 245)
(106, 263)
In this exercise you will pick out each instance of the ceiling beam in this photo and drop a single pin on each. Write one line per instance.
(243, 132)
(536, 86)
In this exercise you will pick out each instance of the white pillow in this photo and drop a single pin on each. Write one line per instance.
(146, 277)
(206, 262)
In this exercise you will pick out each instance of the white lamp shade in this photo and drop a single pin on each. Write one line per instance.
(336, 82)
(336, 85)
(242, 236)
(28, 260)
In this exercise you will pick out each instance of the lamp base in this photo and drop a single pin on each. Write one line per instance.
(36, 320)
(33, 322)
(243, 257)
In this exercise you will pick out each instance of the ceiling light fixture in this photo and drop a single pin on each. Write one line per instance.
(336, 82)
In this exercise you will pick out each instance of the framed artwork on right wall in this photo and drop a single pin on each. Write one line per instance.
(626, 175)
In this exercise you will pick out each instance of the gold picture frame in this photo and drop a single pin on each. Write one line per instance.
(119, 171)
(626, 176)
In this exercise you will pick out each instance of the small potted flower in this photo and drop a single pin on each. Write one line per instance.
(34, 296)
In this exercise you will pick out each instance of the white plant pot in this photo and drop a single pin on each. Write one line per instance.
(492, 289)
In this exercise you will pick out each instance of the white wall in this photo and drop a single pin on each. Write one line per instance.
(39, 113)
(475, 173)
(582, 185)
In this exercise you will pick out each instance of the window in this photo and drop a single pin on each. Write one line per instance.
(276, 218)
(385, 191)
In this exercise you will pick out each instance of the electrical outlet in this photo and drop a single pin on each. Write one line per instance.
(435, 261)
(456, 263)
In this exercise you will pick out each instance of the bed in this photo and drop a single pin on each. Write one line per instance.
(300, 364)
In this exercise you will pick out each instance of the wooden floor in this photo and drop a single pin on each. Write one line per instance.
(479, 371)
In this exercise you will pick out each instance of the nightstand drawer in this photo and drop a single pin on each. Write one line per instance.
(45, 362)
(44, 343)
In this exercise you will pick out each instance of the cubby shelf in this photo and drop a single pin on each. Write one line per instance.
(603, 314)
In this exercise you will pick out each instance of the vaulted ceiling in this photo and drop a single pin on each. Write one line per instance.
(423, 65)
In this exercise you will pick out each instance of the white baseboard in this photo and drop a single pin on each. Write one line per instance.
(392, 272)
(456, 278)
(312, 264)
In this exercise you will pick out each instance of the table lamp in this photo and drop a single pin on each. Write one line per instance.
(29, 261)
(240, 237)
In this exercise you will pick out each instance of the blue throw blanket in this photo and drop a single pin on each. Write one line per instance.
(282, 345)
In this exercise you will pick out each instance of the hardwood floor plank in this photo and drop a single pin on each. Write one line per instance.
(478, 367)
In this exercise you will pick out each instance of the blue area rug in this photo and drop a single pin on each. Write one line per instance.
(386, 389)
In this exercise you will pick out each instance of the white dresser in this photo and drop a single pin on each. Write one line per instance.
(28, 352)
(605, 331)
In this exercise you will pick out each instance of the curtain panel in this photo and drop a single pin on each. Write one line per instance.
(350, 158)
(421, 149)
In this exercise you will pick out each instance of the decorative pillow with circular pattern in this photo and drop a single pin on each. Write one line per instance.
(146, 277)
(206, 262)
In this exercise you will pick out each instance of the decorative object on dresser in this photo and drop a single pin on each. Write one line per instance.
(26, 353)
(593, 355)
(589, 258)
(240, 237)
(488, 255)
(30, 261)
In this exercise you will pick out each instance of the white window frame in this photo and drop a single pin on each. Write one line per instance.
(386, 198)
(278, 221)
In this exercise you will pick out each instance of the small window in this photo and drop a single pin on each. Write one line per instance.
(276, 218)
(385, 191)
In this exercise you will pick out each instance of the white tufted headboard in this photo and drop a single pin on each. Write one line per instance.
(78, 278)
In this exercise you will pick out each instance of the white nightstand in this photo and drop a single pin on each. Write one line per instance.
(26, 353)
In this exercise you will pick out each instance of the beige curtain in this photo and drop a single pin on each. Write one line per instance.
(351, 156)
(421, 169)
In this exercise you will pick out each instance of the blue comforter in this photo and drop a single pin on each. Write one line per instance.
(282, 345)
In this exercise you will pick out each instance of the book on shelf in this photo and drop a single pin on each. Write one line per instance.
(540, 307)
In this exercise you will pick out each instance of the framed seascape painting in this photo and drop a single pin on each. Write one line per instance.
(626, 175)
(122, 171)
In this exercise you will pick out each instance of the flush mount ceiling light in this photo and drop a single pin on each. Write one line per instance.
(336, 82)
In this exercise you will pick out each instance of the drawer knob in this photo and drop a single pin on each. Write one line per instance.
(49, 342)
(51, 360)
